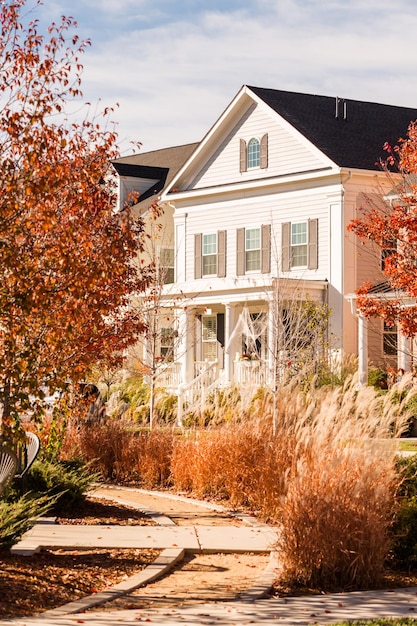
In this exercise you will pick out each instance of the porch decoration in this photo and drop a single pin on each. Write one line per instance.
(249, 357)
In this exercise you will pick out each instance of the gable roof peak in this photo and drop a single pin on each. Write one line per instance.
(350, 132)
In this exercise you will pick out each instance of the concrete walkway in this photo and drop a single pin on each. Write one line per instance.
(191, 538)
(174, 541)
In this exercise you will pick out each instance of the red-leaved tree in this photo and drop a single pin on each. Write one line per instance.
(66, 272)
(392, 226)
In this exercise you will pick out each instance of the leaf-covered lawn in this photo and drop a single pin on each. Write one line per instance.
(30, 585)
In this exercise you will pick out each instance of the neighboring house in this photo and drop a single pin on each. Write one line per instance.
(141, 180)
(258, 212)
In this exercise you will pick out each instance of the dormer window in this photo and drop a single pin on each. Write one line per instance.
(254, 153)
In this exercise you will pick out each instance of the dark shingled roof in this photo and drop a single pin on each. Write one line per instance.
(356, 141)
(161, 165)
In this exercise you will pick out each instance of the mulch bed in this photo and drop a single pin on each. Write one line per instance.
(30, 585)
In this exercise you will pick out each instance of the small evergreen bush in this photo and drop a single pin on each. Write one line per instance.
(18, 516)
(66, 481)
(404, 530)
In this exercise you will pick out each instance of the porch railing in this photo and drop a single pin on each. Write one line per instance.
(251, 372)
(169, 375)
(194, 393)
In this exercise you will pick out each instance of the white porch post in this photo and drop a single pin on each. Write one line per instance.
(363, 349)
(231, 340)
(186, 344)
(189, 345)
(404, 353)
(271, 374)
(181, 344)
(227, 333)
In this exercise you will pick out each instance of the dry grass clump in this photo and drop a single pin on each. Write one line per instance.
(121, 453)
(319, 463)
(339, 499)
(153, 453)
(217, 464)
(322, 466)
(109, 447)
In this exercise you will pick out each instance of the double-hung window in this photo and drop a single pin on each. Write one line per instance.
(299, 243)
(167, 342)
(389, 249)
(167, 269)
(390, 339)
(209, 254)
(209, 337)
(252, 249)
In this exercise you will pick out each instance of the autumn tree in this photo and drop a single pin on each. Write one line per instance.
(66, 272)
(157, 352)
(393, 228)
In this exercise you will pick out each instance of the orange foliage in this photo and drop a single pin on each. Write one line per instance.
(65, 255)
(394, 228)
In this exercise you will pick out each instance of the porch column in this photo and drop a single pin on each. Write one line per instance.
(363, 349)
(272, 338)
(186, 344)
(228, 325)
(404, 353)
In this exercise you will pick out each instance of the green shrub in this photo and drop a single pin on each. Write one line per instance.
(17, 517)
(404, 530)
(378, 379)
(166, 405)
(67, 481)
(407, 469)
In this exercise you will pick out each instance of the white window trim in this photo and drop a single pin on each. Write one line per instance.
(292, 246)
(207, 255)
(258, 166)
(258, 269)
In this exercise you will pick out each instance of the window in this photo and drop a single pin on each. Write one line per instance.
(390, 340)
(254, 335)
(390, 248)
(300, 245)
(209, 254)
(167, 342)
(253, 249)
(209, 337)
(166, 268)
(254, 153)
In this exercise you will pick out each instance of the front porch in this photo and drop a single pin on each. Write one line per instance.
(247, 343)
(253, 372)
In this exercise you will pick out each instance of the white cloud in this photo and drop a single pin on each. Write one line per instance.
(174, 69)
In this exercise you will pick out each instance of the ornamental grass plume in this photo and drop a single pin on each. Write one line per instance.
(339, 497)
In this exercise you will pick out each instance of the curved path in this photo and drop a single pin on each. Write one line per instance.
(192, 527)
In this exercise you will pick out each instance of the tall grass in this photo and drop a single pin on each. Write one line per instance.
(320, 464)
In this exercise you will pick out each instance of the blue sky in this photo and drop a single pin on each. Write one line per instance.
(173, 66)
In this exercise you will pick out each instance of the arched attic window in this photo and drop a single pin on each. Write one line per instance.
(254, 153)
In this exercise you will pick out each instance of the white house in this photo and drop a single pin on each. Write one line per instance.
(257, 213)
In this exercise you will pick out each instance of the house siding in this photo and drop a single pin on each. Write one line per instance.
(287, 152)
(247, 212)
